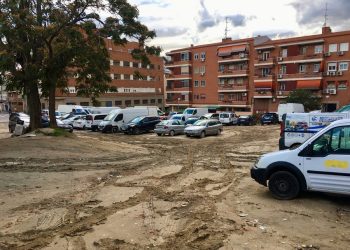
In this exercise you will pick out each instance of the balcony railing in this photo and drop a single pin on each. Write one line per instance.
(300, 57)
(261, 60)
(179, 87)
(176, 101)
(233, 87)
(267, 93)
(300, 75)
(180, 76)
(233, 102)
(264, 77)
(235, 57)
(234, 72)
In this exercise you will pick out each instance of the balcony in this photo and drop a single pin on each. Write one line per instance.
(263, 94)
(233, 72)
(178, 102)
(296, 76)
(234, 58)
(232, 87)
(179, 88)
(224, 102)
(301, 58)
(264, 77)
(263, 61)
(285, 93)
(173, 77)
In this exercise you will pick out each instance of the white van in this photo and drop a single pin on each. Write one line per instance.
(197, 112)
(284, 108)
(93, 120)
(102, 110)
(228, 118)
(322, 163)
(298, 127)
(117, 118)
(65, 109)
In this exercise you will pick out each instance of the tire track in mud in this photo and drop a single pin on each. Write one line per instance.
(203, 228)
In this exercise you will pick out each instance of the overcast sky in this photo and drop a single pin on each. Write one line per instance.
(179, 23)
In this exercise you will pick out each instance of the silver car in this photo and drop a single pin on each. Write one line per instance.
(202, 128)
(169, 127)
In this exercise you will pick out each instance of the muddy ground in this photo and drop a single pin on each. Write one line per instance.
(113, 191)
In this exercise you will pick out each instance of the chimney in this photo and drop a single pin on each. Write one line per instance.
(326, 30)
(227, 39)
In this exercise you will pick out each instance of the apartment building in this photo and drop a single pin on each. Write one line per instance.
(132, 90)
(256, 74)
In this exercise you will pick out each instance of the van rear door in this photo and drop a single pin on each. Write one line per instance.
(327, 166)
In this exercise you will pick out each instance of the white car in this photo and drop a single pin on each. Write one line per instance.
(322, 163)
(79, 122)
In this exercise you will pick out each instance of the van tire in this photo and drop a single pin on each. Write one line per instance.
(159, 134)
(172, 133)
(284, 185)
(115, 130)
(202, 134)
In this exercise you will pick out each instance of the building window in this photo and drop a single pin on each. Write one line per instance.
(344, 47)
(231, 96)
(160, 101)
(282, 86)
(127, 103)
(317, 67)
(84, 103)
(126, 64)
(153, 101)
(332, 66)
(135, 64)
(196, 83)
(144, 101)
(284, 52)
(302, 68)
(109, 104)
(221, 97)
(196, 56)
(151, 66)
(136, 102)
(331, 85)
(184, 56)
(203, 83)
(185, 70)
(342, 85)
(332, 47)
(117, 76)
(203, 56)
(221, 68)
(318, 49)
(126, 90)
(116, 63)
(118, 103)
(126, 77)
(265, 55)
(283, 69)
(239, 81)
(303, 50)
(196, 70)
(343, 66)
(185, 83)
(203, 96)
(202, 69)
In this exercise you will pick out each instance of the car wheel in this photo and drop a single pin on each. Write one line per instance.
(115, 130)
(202, 134)
(284, 185)
(219, 132)
(172, 133)
(159, 134)
(93, 129)
(136, 131)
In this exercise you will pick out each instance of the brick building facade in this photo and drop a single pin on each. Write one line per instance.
(256, 74)
(131, 91)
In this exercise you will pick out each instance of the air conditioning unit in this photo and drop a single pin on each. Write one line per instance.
(202, 59)
(340, 53)
(241, 55)
(326, 91)
(327, 54)
(280, 59)
(244, 94)
(280, 76)
(339, 73)
(332, 91)
(202, 73)
(279, 93)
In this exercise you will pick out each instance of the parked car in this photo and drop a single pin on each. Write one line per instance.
(180, 117)
(80, 123)
(71, 119)
(202, 128)
(141, 124)
(210, 116)
(269, 118)
(93, 120)
(169, 127)
(61, 124)
(228, 118)
(191, 120)
(246, 120)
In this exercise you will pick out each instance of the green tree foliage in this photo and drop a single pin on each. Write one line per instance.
(305, 97)
(43, 43)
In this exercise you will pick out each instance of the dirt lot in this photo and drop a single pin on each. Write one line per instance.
(97, 191)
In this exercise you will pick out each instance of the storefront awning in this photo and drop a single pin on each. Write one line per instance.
(263, 85)
(228, 50)
(309, 84)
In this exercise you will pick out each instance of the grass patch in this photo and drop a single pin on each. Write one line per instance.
(57, 132)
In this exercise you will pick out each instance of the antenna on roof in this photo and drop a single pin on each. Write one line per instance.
(325, 16)
(226, 29)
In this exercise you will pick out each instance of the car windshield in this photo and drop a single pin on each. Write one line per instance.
(344, 109)
(188, 111)
(200, 123)
(176, 117)
(137, 119)
(244, 116)
(109, 116)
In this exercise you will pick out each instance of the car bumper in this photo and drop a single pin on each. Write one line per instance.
(107, 128)
(258, 175)
(193, 133)
(161, 131)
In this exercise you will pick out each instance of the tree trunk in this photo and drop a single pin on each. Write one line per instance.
(52, 105)
(34, 105)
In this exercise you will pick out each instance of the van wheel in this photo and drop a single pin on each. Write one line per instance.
(172, 133)
(284, 185)
(159, 134)
(202, 134)
(115, 130)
